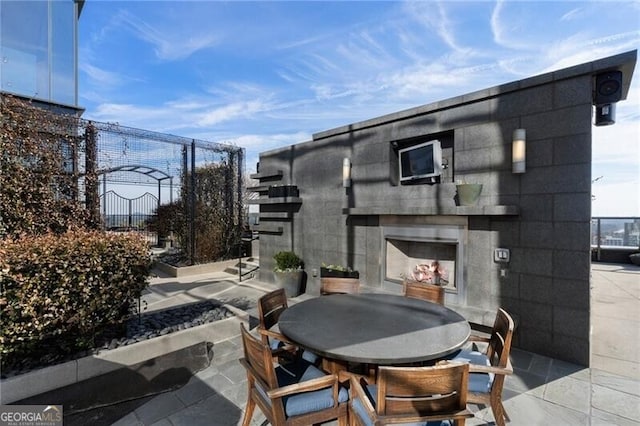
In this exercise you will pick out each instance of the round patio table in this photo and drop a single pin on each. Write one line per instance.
(378, 329)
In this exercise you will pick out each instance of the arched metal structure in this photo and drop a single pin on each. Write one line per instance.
(128, 209)
(151, 172)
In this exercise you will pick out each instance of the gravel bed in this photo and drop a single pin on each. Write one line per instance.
(150, 325)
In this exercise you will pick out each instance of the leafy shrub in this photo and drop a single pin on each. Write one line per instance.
(58, 291)
(168, 218)
(38, 193)
(287, 261)
(216, 220)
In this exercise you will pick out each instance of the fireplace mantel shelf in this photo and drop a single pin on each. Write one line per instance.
(433, 211)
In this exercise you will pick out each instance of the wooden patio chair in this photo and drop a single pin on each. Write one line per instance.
(489, 369)
(413, 395)
(425, 291)
(270, 307)
(329, 285)
(295, 394)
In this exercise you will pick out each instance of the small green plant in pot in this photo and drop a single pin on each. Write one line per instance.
(337, 271)
(288, 272)
(287, 261)
(338, 279)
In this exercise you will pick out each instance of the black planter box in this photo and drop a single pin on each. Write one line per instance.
(332, 273)
(281, 191)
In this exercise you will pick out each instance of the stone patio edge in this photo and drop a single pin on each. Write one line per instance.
(49, 378)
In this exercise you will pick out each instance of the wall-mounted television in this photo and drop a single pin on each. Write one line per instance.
(420, 161)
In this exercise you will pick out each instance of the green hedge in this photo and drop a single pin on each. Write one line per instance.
(36, 194)
(57, 292)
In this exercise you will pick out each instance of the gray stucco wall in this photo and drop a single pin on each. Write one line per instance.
(542, 216)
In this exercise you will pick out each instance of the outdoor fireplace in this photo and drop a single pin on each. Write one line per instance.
(406, 247)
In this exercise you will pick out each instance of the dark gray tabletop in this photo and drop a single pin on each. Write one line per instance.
(375, 328)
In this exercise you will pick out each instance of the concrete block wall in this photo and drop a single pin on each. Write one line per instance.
(546, 284)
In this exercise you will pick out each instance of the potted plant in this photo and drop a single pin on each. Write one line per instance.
(288, 272)
(338, 279)
(337, 271)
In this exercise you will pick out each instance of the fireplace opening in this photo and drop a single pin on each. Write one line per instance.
(437, 250)
(427, 261)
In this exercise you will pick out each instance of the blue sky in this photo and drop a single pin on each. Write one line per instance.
(261, 75)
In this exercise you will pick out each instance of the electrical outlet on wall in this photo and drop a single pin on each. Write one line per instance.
(501, 255)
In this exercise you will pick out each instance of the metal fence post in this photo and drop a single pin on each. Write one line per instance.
(192, 199)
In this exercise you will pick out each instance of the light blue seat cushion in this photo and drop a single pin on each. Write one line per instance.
(275, 344)
(478, 382)
(310, 357)
(306, 402)
(371, 392)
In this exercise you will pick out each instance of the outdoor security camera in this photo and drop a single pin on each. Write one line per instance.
(605, 115)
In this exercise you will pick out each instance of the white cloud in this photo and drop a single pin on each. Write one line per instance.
(573, 14)
(112, 112)
(435, 79)
(268, 142)
(302, 42)
(579, 49)
(101, 77)
(230, 112)
(187, 104)
(168, 45)
(254, 143)
(439, 21)
(183, 113)
(232, 91)
(504, 28)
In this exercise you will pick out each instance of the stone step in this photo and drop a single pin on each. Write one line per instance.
(249, 266)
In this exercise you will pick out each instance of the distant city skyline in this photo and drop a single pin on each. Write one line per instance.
(262, 75)
(615, 233)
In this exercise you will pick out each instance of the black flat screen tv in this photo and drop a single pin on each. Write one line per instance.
(420, 161)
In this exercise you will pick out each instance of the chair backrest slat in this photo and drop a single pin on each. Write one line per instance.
(500, 341)
(258, 355)
(422, 391)
(270, 306)
(421, 407)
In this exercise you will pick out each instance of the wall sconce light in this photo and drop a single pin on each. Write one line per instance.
(519, 150)
(346, 173)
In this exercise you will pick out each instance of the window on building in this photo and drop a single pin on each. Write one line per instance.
(38, 50)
